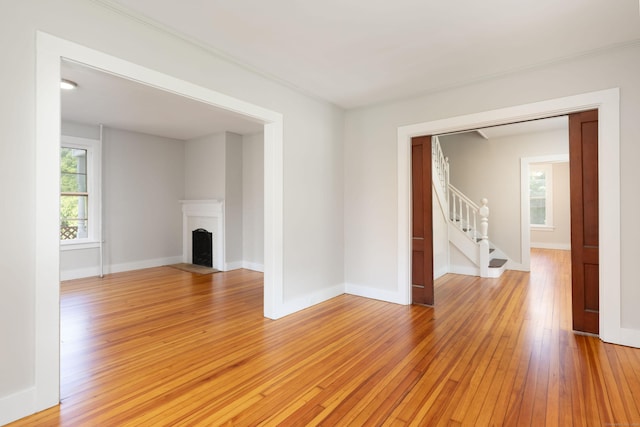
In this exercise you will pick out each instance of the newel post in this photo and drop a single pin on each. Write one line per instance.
(483, 212)
(484, 219)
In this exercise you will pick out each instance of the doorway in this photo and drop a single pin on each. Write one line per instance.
(607, 104)
(51, 51)
(486, 162)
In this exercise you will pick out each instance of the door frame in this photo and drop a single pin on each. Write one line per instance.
(525, 227)
(50, 51)
(607, 102)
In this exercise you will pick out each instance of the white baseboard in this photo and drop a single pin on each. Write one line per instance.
(468, 271)
(233, 265)
(560, 246)
(512, 265)
(244, 264)
(297, 304)
(253, 266)
(17, 405)
(440, 272)
(81, 273)
(118, 268)
(373, 293)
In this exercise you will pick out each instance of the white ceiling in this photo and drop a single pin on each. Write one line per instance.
(359, 52)
(124, 104)
(349, 52)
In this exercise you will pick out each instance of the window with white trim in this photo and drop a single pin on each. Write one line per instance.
(80, 198)
(541, 195)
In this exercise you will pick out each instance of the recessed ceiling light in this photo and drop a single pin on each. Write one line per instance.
(68, 84)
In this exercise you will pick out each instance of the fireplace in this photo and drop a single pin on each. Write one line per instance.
(202, 247)
(200, 216)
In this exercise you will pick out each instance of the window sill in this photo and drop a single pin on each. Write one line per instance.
(542, 228)
(72, 246)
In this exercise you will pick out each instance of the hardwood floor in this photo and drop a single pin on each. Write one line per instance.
(166, 347)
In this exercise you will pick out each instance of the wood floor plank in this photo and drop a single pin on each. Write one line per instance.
(162, 346)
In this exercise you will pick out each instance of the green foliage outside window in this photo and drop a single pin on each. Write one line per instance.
(74, 197)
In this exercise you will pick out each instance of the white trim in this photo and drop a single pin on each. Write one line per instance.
(608, 104)
(74, 246)
(558, 246)
(525, 229)
(542, 228)
(50, 50)
(254, 266)
(466, 270)
(307, 301)
(15, 406)
(232, 265)
(373, 293)
(80, 273)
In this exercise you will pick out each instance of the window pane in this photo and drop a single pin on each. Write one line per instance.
(73, 183)
(538, 213)
(537, 184)
(74, 229)
(73, 160)
(73, 208)
(73, 166)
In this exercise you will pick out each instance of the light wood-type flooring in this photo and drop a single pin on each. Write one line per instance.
(163, 347)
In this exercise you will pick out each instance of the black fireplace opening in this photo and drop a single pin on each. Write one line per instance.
(202, 247)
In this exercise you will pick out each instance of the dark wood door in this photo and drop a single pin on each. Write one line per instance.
(422, 223)
(583, 158)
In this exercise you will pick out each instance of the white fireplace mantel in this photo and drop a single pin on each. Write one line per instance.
(207, 214)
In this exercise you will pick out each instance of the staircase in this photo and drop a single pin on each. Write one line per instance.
(468, 223)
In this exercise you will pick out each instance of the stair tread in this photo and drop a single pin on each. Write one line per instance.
(497, 262)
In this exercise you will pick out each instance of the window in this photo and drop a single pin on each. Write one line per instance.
(541, 195)
(80, 196)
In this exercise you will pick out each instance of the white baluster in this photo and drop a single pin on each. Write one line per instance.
(452, 205)
(475, 226)
(446, 177)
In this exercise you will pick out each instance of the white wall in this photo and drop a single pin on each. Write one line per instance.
(80, 130)
(253, 200)
(313, 261)
(560, 236)
(204, 176)
(491, 168)
(371, 175)
(233, 200)
(440, 238)
(143, 179)
(214, 170)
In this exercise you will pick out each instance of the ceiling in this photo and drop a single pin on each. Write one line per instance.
(361, 52)
(125, 104)
(351, 53)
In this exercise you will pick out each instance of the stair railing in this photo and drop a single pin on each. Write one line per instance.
(440, 164)
(464, 213)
